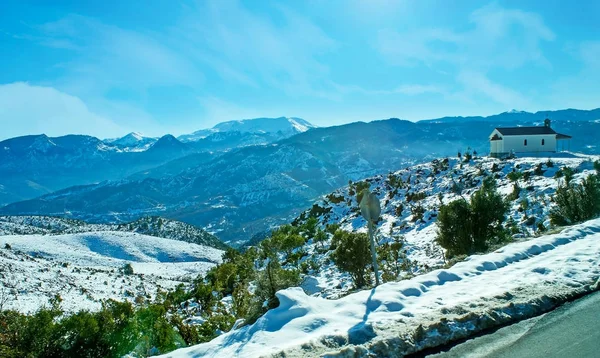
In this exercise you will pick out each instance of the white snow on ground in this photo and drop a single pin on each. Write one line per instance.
(369, 320)
(423, 253)
(85, 268)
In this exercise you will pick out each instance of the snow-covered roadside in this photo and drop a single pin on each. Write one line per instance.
(518, 281)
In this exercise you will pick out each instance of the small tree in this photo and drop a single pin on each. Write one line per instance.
(272, 279)
(576, 203)
(320, 238)
(514, 176)
(487, 214)
(468, 227)
(128, 269)
(454, 222)
(568, 174)
(352, 254)
(310, 227)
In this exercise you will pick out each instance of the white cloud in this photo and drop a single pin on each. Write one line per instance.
(477, 83)
(279, 51)
(114, 57)
(579, 89)
(218, 110)
(406, 89)
(27, 109)
(499, 38)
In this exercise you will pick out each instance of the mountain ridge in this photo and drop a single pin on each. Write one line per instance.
(244, 191)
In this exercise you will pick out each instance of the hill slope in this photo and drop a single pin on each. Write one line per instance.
(86, 268)
(410, 200)
(152, 226)
(516, 282)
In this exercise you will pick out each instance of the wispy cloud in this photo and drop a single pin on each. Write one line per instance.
(406, 89)
(282, 51)
(115, 57)
(477, 83)
(579, 89)
(497, 39)
(27, 109)
(490, 42)
(216, 109)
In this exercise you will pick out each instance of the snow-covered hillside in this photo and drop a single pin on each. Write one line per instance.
(86, 268)
(515, 282)
(411, 198)
(152, 226)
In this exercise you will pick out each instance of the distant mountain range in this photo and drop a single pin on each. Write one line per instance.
(238, 190)
(34, 165)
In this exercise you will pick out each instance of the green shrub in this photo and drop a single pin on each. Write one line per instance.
(332, 228)
(320, 238)
(568, 174)
(352, 254)
(514, 176)
(310, 227)
(417, 212)
(395, 181)
(392, 253)
(541, 227)
(468, 227)
(128, 269)
(415, 196)
(117, 329)
(539, 170)
(514, 195)
(272, 279)
(576, 203)
(558, 174)
(398, 210)
(335, 199)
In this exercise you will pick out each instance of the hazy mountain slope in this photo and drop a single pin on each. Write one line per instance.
(522, 116)
(34, 165)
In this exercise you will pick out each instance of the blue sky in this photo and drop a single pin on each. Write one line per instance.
(106, 68)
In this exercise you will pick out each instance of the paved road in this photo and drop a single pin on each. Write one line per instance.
(571, 331)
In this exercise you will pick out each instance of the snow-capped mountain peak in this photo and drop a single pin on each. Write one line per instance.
(282, 127)
(515, 111)
(300, 124)
(133, 141)
(42, 143)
